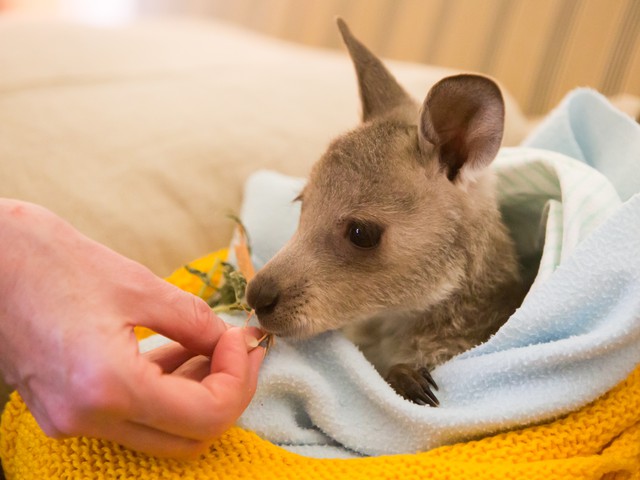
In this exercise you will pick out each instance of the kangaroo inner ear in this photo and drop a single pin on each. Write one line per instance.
(463, 118)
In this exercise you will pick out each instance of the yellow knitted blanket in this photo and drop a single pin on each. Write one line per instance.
(602, 440)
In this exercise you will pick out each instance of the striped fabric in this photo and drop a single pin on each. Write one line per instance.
(538, 49)
(553, 201)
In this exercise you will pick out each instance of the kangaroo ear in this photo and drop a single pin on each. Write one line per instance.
(463, 118)
(380, 93)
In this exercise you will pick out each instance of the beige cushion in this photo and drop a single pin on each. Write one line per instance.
(143, 136)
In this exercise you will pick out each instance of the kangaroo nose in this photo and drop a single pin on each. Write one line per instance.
(262, 295)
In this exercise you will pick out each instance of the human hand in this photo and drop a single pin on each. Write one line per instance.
(68, 306)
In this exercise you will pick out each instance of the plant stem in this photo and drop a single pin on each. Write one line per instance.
(207, 280)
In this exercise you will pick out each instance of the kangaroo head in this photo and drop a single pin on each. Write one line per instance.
(390, 211)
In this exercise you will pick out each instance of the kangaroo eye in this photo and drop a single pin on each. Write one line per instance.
(364, 235)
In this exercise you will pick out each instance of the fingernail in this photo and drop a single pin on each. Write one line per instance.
(251, 341)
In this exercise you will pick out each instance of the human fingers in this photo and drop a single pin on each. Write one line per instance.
(233, 372)
(256, 358)
(132, 435)
(154, 442)
(195, 368)
(111, 426)
(203, 410)
(174, 358)
(151, 441)
(169, 356)
(181, 316)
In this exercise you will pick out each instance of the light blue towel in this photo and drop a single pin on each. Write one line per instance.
(576, 336)
(587, 127)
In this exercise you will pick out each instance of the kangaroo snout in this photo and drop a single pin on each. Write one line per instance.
(280, 295)
(263, 294)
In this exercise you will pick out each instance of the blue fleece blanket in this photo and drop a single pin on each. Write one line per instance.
(570, 199)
